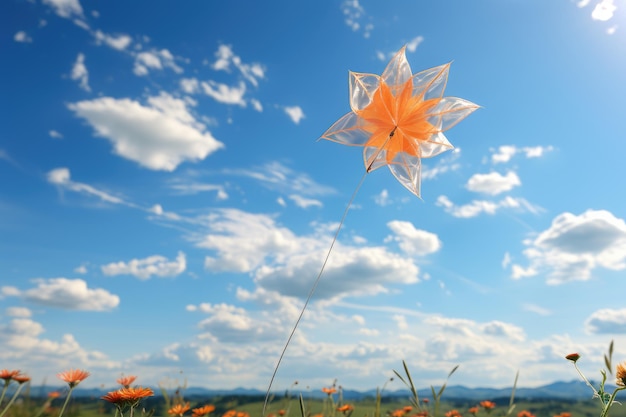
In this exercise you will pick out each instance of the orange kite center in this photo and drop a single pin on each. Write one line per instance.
(398, 120)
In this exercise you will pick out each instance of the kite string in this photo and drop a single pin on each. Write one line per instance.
(317, 280)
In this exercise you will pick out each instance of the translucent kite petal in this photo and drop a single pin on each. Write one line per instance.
(374, 158)
(436, 144)
(347, 131)
(362, 88)
(450, 111)
(407, 168)
(431, 82)
(398, 70)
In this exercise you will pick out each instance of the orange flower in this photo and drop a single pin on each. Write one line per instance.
(8, 375)
(73, 377)
(329, 391)
(54, 394)
(488, 405)
(525, 413)
(564, 414)
(230, 413)
(114, 397)
(572, 357)
(281, 412)
(473, 410)
(179, 409)
(126, 380)
(425, 400)
(453, 413)
(620, 374)
(345, 408)
(135, 394)
(407, 408)
(20, 379)
(242, 414)
(203, 411)
(397, 413)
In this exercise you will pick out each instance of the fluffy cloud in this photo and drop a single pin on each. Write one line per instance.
(295, 113)
(23, 37)
(70, 294)
(285, 263)
(80, 73)
(281, 178)
(54, 134)
(159, 136)
(119, 42)
(607, 321)
(145, 268)
(155, 60)
(66, 8)
(303, 202)
(61, 178)
(574, 246)
(412, 241)
(355, 17)
(226, 59)
(506, 152)
(477, 207)
(604, 10)
(225, 94)
(493, 183)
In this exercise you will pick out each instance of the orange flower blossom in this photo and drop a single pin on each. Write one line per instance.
(73, 377)
(179, 409)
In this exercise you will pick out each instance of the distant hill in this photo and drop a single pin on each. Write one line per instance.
(573, 390)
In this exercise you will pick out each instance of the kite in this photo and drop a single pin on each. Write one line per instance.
(399, 118)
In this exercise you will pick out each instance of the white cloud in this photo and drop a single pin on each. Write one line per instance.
(190, 85)
(155, 265)
(506, 260)
(119, 42)
(18, 312)
(477, 207)
(493, 183)
(444, 164)
(225, 94)
(61, 178)
(414, 43)
(281, 178)
(80, 73)
(55, 134)
(285, 263)
(226, 57)
(190, 188)
(155, 60)
(304, 202)
(65, 8)
(533, 308)
(355, 17)
(81, 269)
(382, 199)
(574, 246)
(607, 321)
(504, 153)
(160, 135)
(583, 3)
(295, 113)
(22, 36)
(70, 294)
(256, 104)
(412, 241)
(604, 10)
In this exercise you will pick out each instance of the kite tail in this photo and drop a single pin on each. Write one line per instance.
(317, 280)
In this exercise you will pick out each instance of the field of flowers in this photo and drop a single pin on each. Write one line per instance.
(131, 400)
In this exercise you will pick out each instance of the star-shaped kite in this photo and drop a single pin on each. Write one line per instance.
(399, 118)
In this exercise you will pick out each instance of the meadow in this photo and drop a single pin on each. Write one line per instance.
(132, 400)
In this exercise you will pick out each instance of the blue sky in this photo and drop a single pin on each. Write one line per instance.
(165, 203)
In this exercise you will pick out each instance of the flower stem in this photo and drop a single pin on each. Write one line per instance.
(4, 390)
(67, 400)
(17, 391)
(605, 411)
